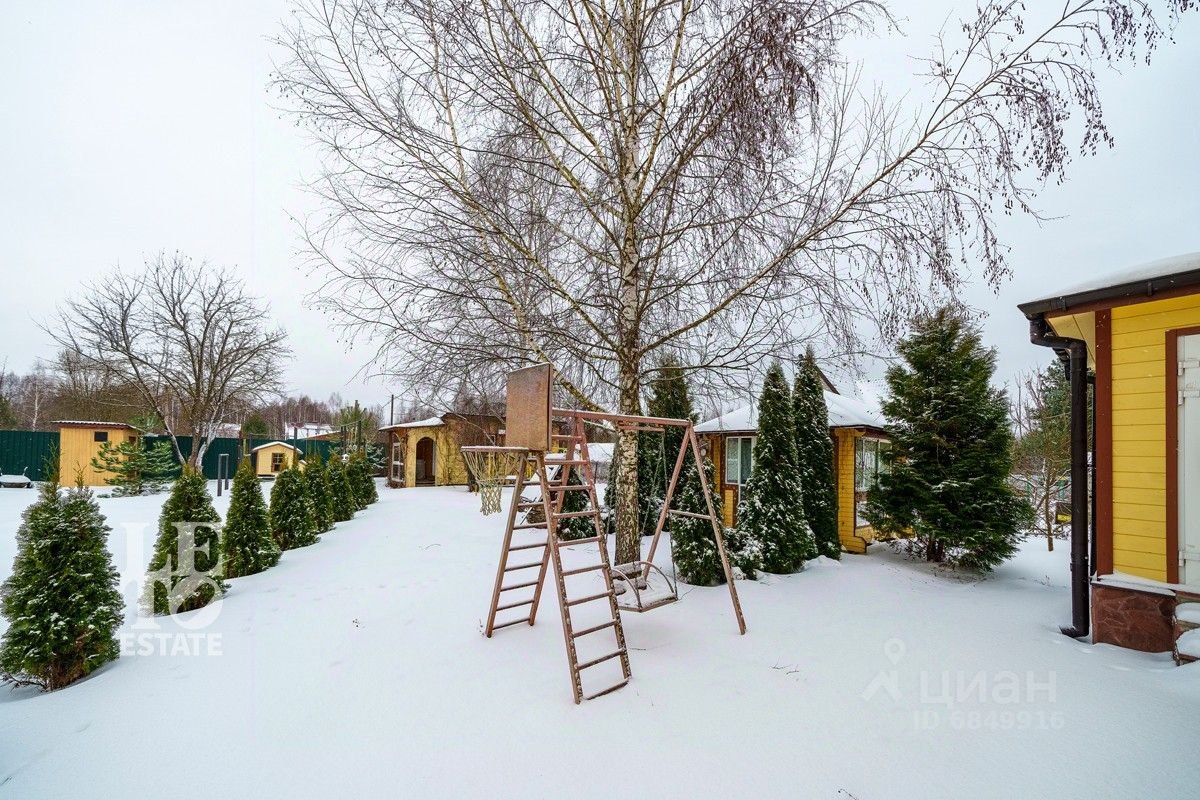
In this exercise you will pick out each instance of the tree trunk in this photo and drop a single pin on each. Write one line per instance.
(629, 532)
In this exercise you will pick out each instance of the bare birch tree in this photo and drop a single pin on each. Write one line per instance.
(599, 184)
(186, 336)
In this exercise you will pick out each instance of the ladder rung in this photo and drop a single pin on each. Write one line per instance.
(510, 622)
(529, 505)
(603, 692)
(567, 514)
(589, 598)
(580, 570)
(519, 567)
(570, 487)
(528, 525)
(564, 436)
(569, 542)
(593, 629)
(518, 586)
(600, 660)
(569, 462)
(691, 514)
(514, 605)
(526, 546)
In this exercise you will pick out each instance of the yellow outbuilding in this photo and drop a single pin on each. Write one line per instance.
(79, 441)
(274, 457)
(859, 438)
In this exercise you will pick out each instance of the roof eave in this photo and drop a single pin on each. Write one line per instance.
(1111, 295)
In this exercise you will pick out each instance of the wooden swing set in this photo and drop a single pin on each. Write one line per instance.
(531, 541)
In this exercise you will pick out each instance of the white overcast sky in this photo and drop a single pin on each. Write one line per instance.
(130, 127)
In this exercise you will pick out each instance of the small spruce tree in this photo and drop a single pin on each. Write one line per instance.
(771, 515)
(62, 600)
(341, 493)
(946, 473)
(185, 571)
(292, 520)
(669, 397)
(134, 469)
(246, 540)
(814, 453)
(316, 479)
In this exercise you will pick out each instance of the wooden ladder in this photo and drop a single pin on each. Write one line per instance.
(554, 490)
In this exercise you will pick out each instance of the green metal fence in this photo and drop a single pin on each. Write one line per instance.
(27, 452)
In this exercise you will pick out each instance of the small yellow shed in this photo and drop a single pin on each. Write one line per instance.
(274, 457)
(426, 452)
(79, 441)
(858, 440)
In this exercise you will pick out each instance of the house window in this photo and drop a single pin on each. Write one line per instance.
(100, 436)
(276, 462)
(739, 459)
(868, 466)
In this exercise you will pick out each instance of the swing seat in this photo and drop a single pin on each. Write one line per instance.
(642, 586)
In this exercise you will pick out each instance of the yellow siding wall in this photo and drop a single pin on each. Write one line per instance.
(77, 447)
(1139, 407)
(854, 540)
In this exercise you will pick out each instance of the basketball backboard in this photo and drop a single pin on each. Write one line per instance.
(527, 415)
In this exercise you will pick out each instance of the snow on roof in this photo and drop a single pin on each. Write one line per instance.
(1151, 270)
(272, 444)
(90, 423)
(421, 423)
(844, 412)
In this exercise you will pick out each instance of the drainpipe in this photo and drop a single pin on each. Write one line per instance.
(1041, 334)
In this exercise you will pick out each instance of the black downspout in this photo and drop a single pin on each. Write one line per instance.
(1041, 334)
(1091, 410)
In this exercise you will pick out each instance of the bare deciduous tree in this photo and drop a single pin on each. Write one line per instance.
(1042, 447)
(186, 336)
(600, 184)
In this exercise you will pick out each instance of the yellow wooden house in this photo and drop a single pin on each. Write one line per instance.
(426, 452)
(1136, 336)
(859, 437)
(274, 457)
(79, 441)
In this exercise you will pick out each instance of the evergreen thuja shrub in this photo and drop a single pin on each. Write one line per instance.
(358, 471)
(316, 480)
(946, 475)
(814, 453)
(694, 547)
(185, 572)
(292, 522)
(62, 600)
(246, 541)
(341, 493)
(771, 515)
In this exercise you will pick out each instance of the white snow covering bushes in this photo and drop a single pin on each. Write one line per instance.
(356, 668)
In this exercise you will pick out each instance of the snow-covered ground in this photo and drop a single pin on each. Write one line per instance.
(357, 668)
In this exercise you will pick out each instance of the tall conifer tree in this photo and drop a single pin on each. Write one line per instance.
(771, 514)
(814, 453)
(946, 473)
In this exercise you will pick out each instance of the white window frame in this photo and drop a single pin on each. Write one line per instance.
(733, 456)
(869, 466)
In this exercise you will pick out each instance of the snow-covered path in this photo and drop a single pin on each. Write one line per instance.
(357, 668)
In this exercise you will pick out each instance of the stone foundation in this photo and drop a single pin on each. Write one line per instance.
(1140, 619)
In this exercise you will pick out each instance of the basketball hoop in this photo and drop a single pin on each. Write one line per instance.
(490, 467)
